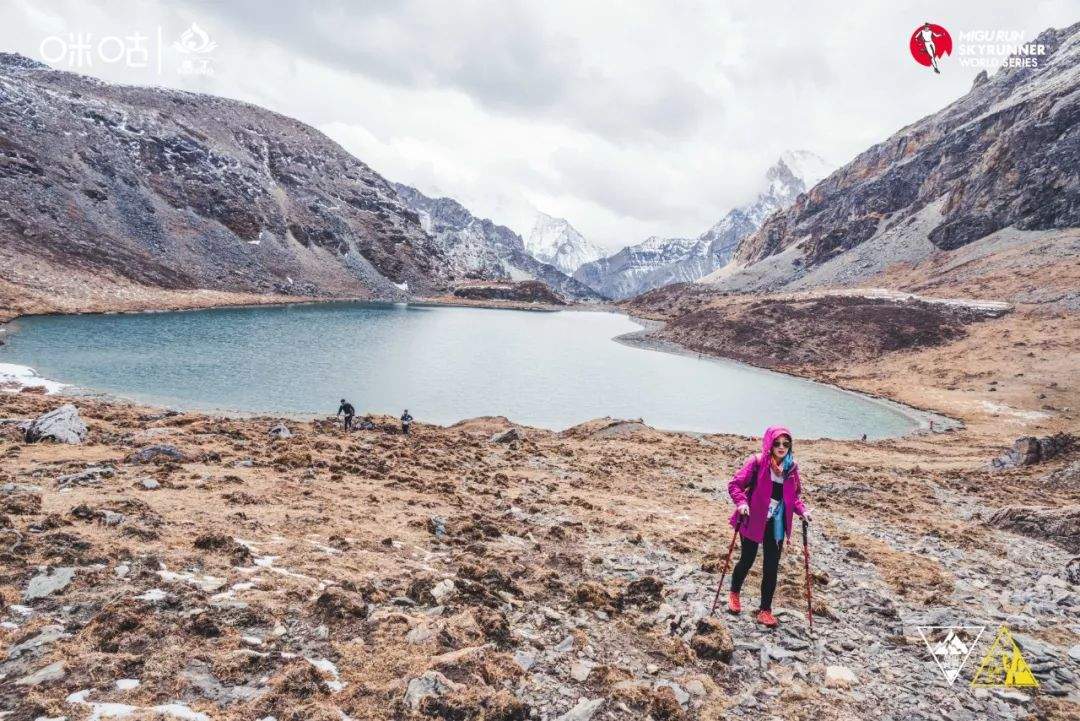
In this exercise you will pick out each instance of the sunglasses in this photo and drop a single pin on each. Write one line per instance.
(781, 444)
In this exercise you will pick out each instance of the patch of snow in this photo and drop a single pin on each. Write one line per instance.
(153, 595)
(104, 709)
(267, 562)
(205, 582)
(126, 684)
(326, 666)
(1002, 409)
(15, 377)
(329, 550)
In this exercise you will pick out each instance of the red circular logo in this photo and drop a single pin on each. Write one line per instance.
(928, 43)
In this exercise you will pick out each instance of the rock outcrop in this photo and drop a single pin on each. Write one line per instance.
(1029, 450)
(527, 291)
(62, 425)
(1058, 525)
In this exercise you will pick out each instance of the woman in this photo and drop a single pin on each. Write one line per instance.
(766, 494)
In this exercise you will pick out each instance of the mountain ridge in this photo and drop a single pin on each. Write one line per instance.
(479, 248)
(182, 191)
(647, 265)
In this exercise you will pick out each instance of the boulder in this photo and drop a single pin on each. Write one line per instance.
(1071, 572)
(508, 436)
(581, 669)
(90, 476)
(583, 711)
(431, 683)
(524, 660)
(52, 672)
(436, 525)
(840, 677)
(280, 431)
(48, 582)
(155, 453)
(48, 636)
(443, 590)
(1029, 450)
(61, 425)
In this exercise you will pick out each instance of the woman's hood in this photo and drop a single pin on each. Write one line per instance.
(770, 435)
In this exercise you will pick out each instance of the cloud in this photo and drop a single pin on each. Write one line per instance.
(508, 57)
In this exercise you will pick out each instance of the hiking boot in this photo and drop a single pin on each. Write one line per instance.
(733, 603)
(766, 618)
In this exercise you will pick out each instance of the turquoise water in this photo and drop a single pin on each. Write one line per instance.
(444, 364)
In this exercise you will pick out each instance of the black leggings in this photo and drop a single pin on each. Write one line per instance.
(768, 573)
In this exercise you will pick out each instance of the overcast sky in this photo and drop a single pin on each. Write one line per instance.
(628, 118)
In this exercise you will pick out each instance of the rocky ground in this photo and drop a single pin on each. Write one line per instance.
(207, 567)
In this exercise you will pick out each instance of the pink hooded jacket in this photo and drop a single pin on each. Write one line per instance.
(753, 528)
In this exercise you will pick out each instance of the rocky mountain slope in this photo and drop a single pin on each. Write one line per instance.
(1004, 156)
(476, 248)
(555, 242)
(658, 262)
(147, 187)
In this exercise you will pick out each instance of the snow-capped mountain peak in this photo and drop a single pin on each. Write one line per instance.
(808, 167)
(556, 242)
(660, 261)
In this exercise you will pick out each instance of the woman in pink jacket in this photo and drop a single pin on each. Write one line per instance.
(766, 494)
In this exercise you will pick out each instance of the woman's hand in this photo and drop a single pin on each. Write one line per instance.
(743, 509)
(807, 516)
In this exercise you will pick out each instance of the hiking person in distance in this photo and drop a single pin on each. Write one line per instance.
(406, 421)
(766, 493)
(349, 412)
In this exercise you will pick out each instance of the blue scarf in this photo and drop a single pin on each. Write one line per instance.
(778, 518)
(778, 523)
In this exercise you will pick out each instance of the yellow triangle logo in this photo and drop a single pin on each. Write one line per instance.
(1003, 665)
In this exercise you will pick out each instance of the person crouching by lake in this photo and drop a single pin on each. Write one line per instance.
(349, 411)
(766, 494)
(406, 421)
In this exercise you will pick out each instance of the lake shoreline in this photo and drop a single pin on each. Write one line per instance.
(922, 417)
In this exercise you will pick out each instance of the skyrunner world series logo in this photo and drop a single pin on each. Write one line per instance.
(987, 49)
(928, 43)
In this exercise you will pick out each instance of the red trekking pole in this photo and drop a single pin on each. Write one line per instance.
(727, 564)
(806, 568)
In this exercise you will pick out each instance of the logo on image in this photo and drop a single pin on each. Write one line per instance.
(928, 43)
(950, 646)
